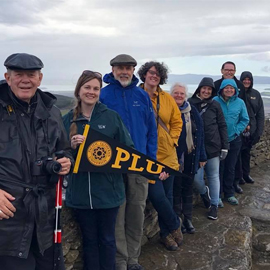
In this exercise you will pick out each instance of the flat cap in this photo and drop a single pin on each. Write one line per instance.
(23, 61)
(123, 59)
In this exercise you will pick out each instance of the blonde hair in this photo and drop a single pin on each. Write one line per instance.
(179, 85)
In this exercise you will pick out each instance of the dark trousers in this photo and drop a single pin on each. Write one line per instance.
(227, 168)
(161, 196)
(183, 196)
(35, 260)
(98, 235)
(242, 167)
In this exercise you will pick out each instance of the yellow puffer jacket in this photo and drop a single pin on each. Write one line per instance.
(171, 116)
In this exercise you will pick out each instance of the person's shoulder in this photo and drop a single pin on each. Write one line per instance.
(256, 92)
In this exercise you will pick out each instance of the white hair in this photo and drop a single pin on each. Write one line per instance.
(179, 85)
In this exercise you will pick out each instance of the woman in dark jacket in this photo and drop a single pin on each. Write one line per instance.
(191, 156)
(215, 140)
(95, 196)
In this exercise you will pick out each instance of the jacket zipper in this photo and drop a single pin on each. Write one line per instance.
(89, 190)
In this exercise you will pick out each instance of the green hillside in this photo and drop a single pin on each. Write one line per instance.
(64, 102)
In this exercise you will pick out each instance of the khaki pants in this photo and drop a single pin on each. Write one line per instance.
(129, 222)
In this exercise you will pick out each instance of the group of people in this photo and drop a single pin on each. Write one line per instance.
(207, 137)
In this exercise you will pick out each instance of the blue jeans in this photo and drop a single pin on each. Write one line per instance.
(211, 170)
(227, 168)
(161, 197)
(98, 228)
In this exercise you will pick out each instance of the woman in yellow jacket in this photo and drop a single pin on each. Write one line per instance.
(169, 124)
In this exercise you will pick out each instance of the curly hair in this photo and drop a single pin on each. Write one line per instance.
(86, 76)
(161, 68)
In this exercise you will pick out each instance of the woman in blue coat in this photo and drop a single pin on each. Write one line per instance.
(95, 197)
(236, 117)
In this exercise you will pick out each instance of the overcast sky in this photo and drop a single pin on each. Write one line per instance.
(189, 36)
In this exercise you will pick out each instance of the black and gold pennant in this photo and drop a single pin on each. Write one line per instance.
(100, 153)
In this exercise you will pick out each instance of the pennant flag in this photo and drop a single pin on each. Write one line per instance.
(100, 153)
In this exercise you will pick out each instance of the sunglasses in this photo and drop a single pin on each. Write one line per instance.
(89, 72)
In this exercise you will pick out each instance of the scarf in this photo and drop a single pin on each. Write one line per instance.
(185, 109)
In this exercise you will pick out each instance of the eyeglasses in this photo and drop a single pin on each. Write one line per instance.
(90, 72)
(229, 70)
(153, 73)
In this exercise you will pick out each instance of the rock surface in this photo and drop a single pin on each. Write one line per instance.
(238, 240)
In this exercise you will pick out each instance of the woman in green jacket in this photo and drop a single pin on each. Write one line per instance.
(94, 196)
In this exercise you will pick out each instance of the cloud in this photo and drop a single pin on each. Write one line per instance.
(266, 69)
(70, 35)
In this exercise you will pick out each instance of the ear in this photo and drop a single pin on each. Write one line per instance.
(40, 78)
(7, 77)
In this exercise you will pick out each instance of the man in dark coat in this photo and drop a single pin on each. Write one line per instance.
(228, 70)
(254, 130)
(31, 133)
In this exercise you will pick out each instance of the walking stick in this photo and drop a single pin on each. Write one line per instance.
(57, 228)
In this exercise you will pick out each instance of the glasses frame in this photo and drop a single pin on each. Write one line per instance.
(152, 72)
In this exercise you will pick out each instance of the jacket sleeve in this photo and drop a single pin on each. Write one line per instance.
(176, 122)
(260, 116)
(203, 156)
(63, 142)
(151, 146)
(222, 128)
(243, 119)
(122, 134)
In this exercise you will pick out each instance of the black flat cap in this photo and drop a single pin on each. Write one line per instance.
(123, 59)
(23, 61)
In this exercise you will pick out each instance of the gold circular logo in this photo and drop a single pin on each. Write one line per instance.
(99, 153)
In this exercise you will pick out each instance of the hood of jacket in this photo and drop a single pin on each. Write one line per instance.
(109, 79)
(247, 74)
(206, 81)
(226, 82)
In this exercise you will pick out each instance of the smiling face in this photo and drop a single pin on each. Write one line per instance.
(123, 74)
(205, 92)
(247, 83)
(23, 83)
(152, 77)
(179, 94)
(228, 71)
(228, 92)
(89, 92)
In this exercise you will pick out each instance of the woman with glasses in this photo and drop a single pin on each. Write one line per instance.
(169, 126)
(95, 197)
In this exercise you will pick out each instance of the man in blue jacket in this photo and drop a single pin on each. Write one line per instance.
(135, 108)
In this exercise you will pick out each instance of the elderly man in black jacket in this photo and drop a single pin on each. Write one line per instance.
(31, 133)
(254, 130)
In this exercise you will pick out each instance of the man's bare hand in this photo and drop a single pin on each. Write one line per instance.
(7, 209)
(65, 163)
